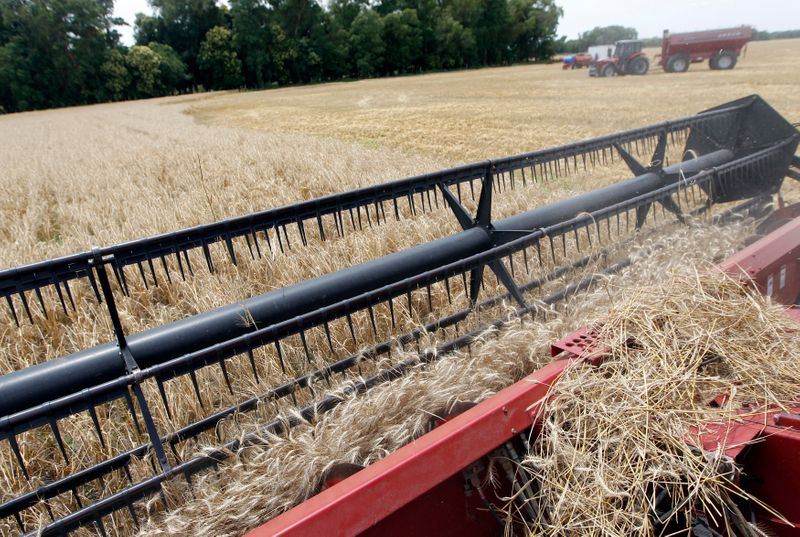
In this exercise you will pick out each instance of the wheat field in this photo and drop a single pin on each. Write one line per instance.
(92, 176)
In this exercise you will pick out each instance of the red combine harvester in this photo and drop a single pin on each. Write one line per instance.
(720, 47)
(125, 400)
(441, 478)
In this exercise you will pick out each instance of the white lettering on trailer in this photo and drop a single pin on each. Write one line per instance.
(782, 281)
(769, 285)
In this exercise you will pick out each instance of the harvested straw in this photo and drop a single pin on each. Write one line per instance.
(273, 476)
(616, 436)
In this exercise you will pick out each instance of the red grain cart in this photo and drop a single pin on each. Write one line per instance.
(720, 47)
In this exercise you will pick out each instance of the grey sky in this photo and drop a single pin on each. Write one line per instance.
(648, 17)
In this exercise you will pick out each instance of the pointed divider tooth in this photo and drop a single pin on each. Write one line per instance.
(69, 295)
(475, 283)
(372, 321)
(152, 271)
(25, 305)
(361, 223)
(301, 230)
(224, 368)
(196, 386)
(255, 242)
(165, 266)
(180, 265)
(321, 227)
(252, 359)
(77, 498)
(12, 439)
(391, 312)
(369, 218)
(129, 403)
(430, 298)
(250, 245)
(38, 292)
(286, 237)
(141, 273)
(59, 440)
(278, 349)
(328, 337)
(18, 519)
(278, 238)
(352, 329)
(10, 304)
(305, 346)
(96, 422)
(162, 392)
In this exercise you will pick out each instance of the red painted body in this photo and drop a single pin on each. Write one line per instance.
(773, 263)
(421, 489)
(702, 46)
(579, 61)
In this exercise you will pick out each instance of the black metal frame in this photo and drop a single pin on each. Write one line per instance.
(256, 228)
(765, 166)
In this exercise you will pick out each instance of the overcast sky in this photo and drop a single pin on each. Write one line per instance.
(649, 17)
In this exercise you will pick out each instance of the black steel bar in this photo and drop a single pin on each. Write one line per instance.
(62, 269)
(23, 389)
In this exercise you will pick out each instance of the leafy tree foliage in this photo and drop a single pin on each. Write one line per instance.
(599, 35)
(65, 52)
(218, 60)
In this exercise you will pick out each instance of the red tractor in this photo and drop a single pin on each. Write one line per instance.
(628, 59)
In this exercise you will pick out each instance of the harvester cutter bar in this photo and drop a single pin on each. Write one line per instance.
(265, 232)
(78, 402)
(125, 499)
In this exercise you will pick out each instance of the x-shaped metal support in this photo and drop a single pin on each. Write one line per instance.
(656, 165)
(483, 220)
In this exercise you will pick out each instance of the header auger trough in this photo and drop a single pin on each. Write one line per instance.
(735, 155)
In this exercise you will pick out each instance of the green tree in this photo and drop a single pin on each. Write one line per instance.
(117, 78)
(492, 34)
(366, 44)
(346, 11)
(402, 38)
(53, 51)
(181, 24)
(173, 73)
(455, 45)
(605, 35)
(533, 28)
(144, 65)
(254, 40)
(218, 61)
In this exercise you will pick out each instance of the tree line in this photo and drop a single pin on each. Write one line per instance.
(68, 52)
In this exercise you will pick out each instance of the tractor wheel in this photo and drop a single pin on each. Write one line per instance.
(712, 63)
(725, 60)
(638, 66)
(679, 63)
(608, 70)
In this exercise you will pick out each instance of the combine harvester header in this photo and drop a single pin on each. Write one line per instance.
(737, 153)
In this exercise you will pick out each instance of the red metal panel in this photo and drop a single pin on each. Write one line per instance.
(373, 494)
(703, 45)
(772, 263)
(771, 473)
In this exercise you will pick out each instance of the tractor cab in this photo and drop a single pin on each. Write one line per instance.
(628, 59)
(625, 49)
